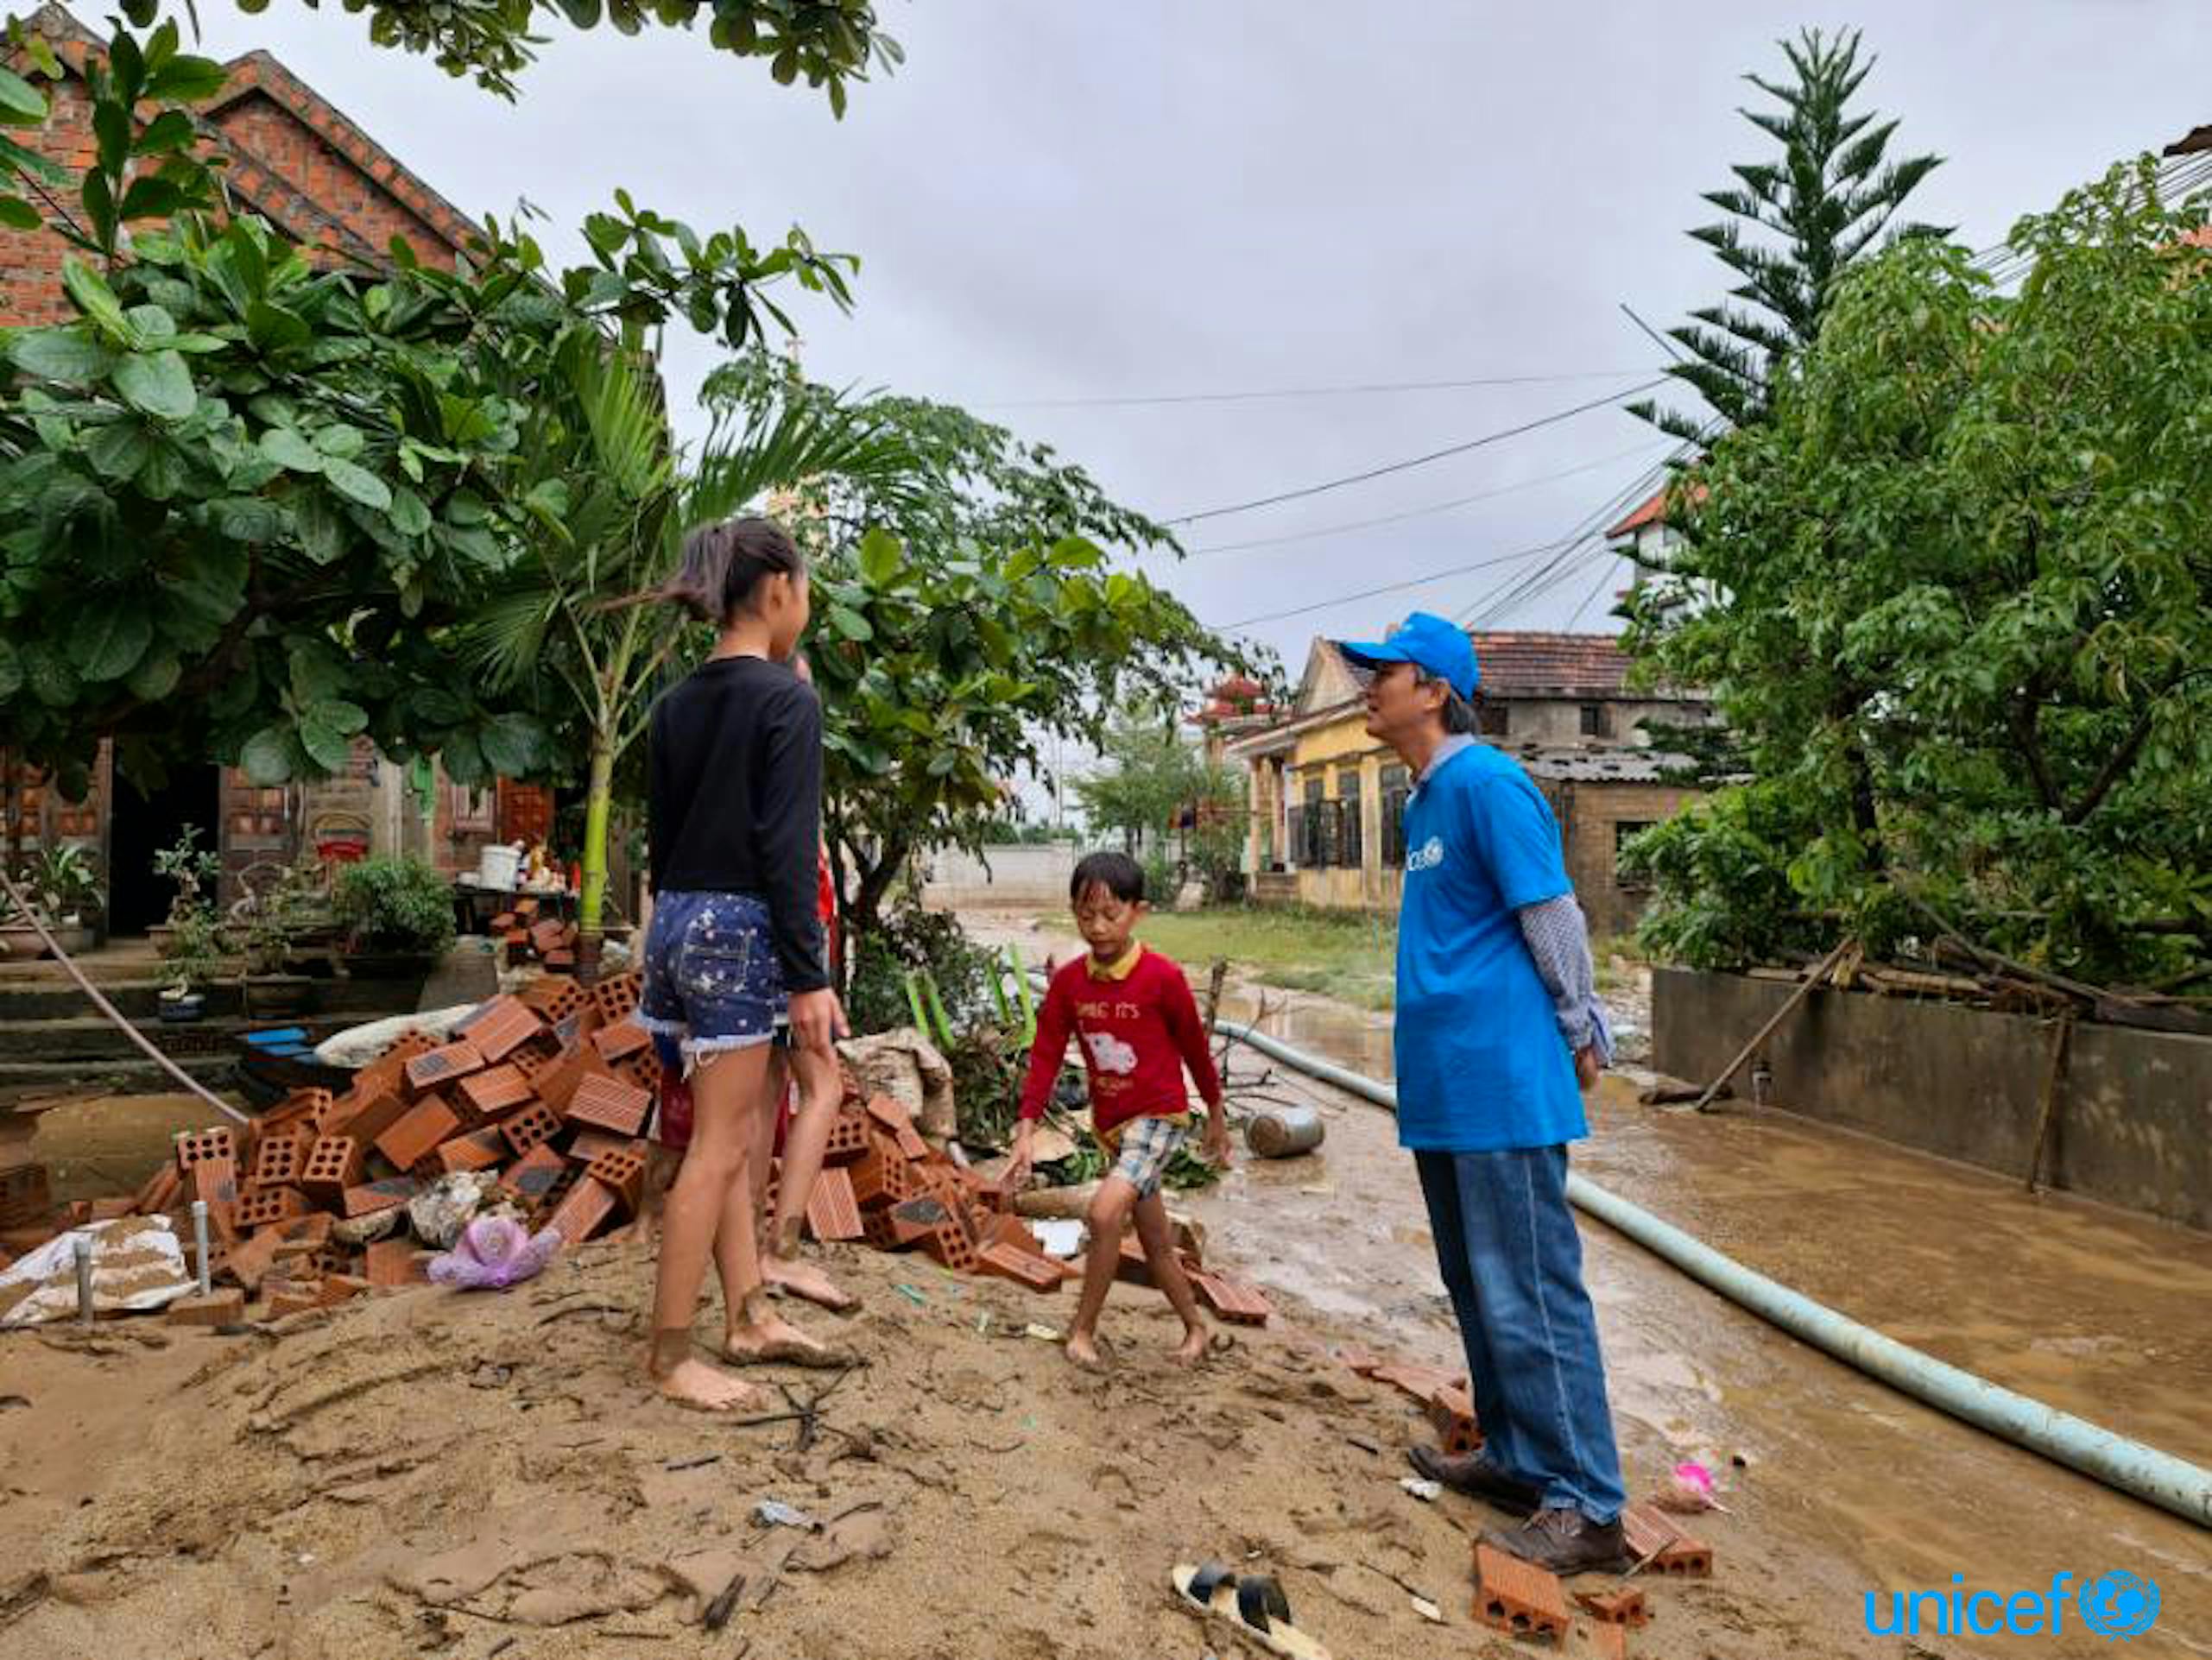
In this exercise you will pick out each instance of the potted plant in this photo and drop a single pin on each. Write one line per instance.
(271, 921)
(194, 869)
(18, 939)
(68, 892)
(398, 915)
(193, 956)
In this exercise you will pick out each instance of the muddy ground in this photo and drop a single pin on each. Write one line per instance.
(480, 1476)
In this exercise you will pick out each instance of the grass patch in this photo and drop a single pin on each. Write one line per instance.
(1348, 955)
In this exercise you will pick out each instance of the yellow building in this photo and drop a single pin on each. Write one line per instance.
(1329, 802)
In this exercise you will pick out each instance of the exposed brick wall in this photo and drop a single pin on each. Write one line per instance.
(1590, 815)
(332, 183)
(30, 260)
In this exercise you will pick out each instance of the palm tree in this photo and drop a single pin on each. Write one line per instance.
(612, 500)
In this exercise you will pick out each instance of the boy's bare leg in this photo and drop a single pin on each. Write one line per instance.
(1157, 1235)
(754, 1329)
(1109, 1215)
(820, 1090)
(708, 1186)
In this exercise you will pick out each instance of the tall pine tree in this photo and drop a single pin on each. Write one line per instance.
(1825, 201)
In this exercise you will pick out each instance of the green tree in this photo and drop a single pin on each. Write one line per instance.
(613, 499)
(1959, 611)
(1159, 790)
(830, 43)
(965, 612)
(248, 503)
(1814, 210)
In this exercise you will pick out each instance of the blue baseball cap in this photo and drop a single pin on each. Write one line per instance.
(1429, 644)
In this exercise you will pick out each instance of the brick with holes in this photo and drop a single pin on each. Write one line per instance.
(397, 1262)
(882, 1177)
(252, 1259)
(310, 1109)
(268, 1207)
(1515, 1596)
(643, 1069)
(1010, 1262)
(1452, 1415)
(370, 1119)
(616, 999)
(553, 997)
(500, 1027)
(203, 1146)
(532, 1125)
(608, 1104)
(333, 1166)
(416, 1136)
(1622, 1605)
(494, 1090)
(216, 1182)
(278, 1159)
(622, 1172)
(1654, 1536)
(848, 1139)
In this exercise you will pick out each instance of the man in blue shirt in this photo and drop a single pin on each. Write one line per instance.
(1499, 1031)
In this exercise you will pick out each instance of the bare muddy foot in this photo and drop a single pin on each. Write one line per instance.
(704, 1389)
(1192, 1349)
(1083, 1349)
(773, 1339)
(803, 1279)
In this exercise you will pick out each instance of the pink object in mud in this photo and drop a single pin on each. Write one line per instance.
(495, 1252)
(1692, 1491)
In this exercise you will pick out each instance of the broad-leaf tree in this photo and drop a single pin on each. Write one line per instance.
(245, 499)
(1796, 223)
(1156, 787)
(965, 613)
(1959, 612)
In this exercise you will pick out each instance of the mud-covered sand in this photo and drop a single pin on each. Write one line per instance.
(429, 1472)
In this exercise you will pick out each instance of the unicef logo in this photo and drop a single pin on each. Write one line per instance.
(1428, 856)
(2119, 1605)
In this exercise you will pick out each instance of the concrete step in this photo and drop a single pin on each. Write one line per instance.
(95, 1038)
(27, 1079)
(349, 1002)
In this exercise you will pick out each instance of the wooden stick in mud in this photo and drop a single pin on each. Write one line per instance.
(2060, 1037)
(1804, 990)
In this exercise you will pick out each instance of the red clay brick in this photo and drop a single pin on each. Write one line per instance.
(370, 1198)
(373, 1116)
(587, 1144)
(333, 1166)
(216, 1181)
(1452, 1415)
(1131, 1268)
(1653, 1536)
(412, 1138)
(548, 936)
(308, 1109)
(534, 1124)
(880, 1177)
(832, 1212)
(1418, 1381)
(1515, 1597)
(342, 1288)
(441, 1067)
(397, 1262)
(531, 1177)
(913, 1221)
(278, 1159)
(583, 1212)
(312, 1229)
(1624, 1605)
(611, 1105)
(1010, 1262)
(558, 1080)
(268, 1207)
(1012, 1231)
(500, 1028)
(562, 961)
(252, 1259)
(642, 1071)
(203, 1146)
(294, 1299)
(1609, 1642)
(477, 1150)
(497, 1089)
(617, 1043)
(1234, 1300)
(848, 1139)
(26, 1195)
(553, 997)
(616, 999)
(157, 1195)
(622, 1172)
(216, 1309)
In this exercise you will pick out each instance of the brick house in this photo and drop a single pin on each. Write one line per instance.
(322, 182)
(1329, 802)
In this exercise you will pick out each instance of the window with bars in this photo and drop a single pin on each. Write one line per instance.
(1595, 724)
(1397, 786)
(1350, 830)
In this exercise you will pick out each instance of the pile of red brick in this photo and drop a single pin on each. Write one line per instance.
(527, 937)
(549, 1091)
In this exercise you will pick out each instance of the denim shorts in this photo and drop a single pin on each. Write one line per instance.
(712, 980)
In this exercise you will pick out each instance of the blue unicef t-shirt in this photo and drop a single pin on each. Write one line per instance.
(1482, 1065)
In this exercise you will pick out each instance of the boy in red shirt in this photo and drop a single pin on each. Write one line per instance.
(1139, 1027)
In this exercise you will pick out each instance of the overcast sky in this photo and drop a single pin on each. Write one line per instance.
(1063, 201)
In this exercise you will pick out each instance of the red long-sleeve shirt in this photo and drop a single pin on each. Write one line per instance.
(1139, 1033)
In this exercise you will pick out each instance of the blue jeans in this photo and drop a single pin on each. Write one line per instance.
(1511, 1259)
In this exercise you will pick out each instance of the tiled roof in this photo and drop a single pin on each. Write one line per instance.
(1519, 663)
(1651, 512)
(2190, 143)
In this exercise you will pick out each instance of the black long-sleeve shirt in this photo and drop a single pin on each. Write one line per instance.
(734, 803)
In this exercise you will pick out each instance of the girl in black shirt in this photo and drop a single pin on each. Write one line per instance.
(735, 948)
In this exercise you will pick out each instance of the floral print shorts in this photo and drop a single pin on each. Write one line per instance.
(712, 980)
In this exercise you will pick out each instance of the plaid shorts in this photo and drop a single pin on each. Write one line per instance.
(1144, 1149)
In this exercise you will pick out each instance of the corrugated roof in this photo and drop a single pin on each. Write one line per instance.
(1573, 766)
(2196, 139)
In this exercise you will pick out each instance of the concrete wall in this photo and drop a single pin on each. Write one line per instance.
(1027, 875)
(2133, 1122)
(1590, 816)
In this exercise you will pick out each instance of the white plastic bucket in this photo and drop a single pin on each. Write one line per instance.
(497, 866)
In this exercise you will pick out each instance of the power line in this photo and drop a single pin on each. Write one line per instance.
(1416, 461)
(1422, 513)
(1391, 587)
(1604, 576)
(1356, 389)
